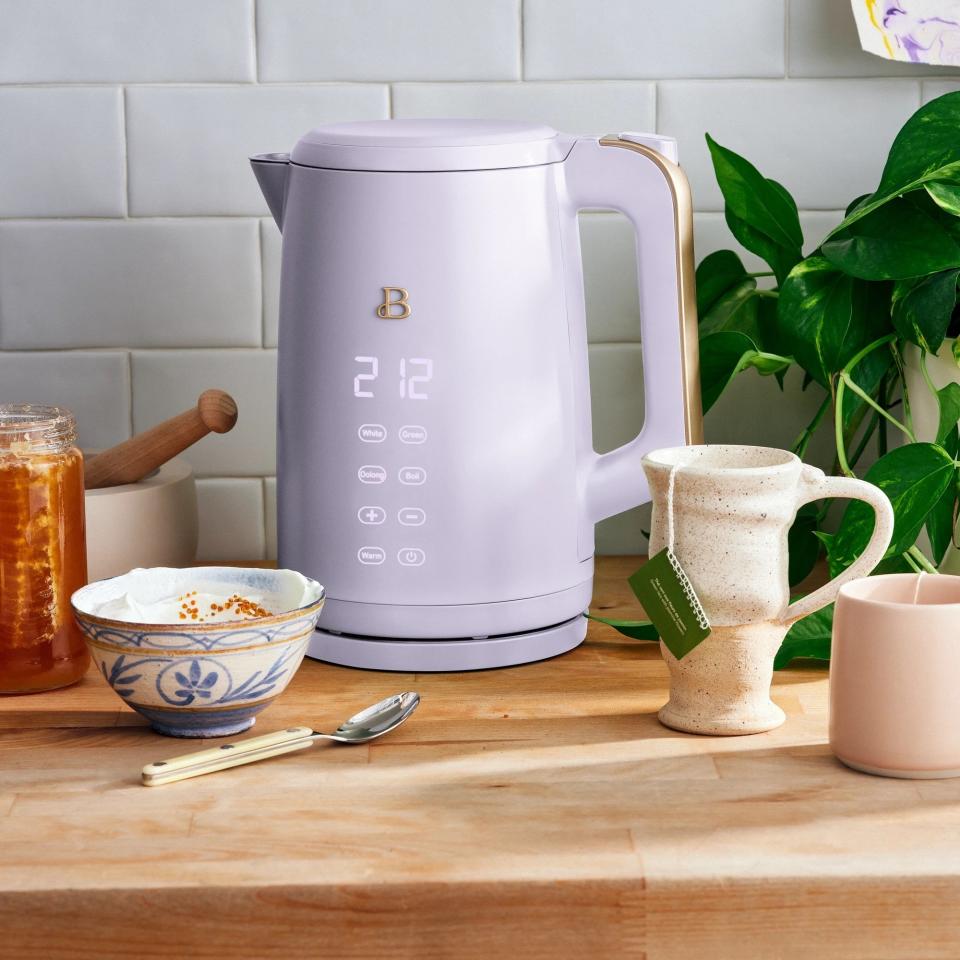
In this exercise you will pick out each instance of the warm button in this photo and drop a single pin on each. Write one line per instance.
(371, 556)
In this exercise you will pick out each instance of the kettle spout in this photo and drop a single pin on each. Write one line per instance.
(272, 171)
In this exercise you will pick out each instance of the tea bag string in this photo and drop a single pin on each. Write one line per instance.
(916, 589)
(671, 484)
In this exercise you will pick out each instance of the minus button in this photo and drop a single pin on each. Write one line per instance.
(411, 517)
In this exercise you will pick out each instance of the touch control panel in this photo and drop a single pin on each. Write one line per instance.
(391, 454)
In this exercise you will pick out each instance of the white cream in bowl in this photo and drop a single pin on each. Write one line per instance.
(197, 595)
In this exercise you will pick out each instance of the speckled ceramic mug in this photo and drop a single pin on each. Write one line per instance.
(732, 509)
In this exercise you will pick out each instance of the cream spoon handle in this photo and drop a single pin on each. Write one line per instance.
(228, 755)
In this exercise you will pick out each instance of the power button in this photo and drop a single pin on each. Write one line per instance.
(411, 557)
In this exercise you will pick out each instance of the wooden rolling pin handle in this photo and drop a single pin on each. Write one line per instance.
(133, 459)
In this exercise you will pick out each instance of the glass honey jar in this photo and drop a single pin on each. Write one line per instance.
(42, 548)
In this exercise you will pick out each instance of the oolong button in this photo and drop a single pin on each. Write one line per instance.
(413, 476)
(371, 473)
(371, 556)
(372, 432)
(413, 434)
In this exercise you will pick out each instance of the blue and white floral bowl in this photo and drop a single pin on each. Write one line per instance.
(197, 679)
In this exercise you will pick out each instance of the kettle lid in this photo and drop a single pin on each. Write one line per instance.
(426, 145)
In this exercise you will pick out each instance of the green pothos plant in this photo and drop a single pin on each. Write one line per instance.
(844, 314)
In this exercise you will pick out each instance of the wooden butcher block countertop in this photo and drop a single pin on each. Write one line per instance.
(535, 812)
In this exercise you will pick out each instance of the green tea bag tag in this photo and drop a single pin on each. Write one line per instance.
(671, 603)
(667, 594)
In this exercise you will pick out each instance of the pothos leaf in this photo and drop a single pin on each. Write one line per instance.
(734, 309)
(809, 638)
(922, 307)
(723, 355)
(914, 477)
(803, 546)
(634, 629)
(825, 317)
(765, 205)
(940, 523)
(946, 196)
(718, 273)
(760, 212)
(906, 237)
(948, 399)
(926, 150)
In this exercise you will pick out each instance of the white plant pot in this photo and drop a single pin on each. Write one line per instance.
(926, 411)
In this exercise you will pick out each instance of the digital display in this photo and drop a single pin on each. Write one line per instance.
(411, 381)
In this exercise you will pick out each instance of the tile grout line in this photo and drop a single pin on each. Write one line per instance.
(786, 39)
(523, 40)
(263, 298)
(253, 36)
(125, 146)
(263, 516)
(129, 354)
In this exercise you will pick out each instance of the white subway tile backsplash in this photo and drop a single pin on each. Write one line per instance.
(270, 254)
(94, 386)
(128, 283)
(825, 141)
(937, 88)
(231, 520)
(754, 410)
(609, 249)
(388, 39)
(823, 42)
(616, 388)
(71, 41)
(587, 39)
(585, 108)
(270, 507)
(188, 147)
(62, 152)
(166, 382)
(616, 392)
(117, 109)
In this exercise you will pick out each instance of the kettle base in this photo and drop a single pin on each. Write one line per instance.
(443, 656)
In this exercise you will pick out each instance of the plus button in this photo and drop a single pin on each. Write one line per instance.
(371, 516)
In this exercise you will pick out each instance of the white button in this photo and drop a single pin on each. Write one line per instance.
(413, 434)
(371, 556)
(372, 432)
(372, 474)
(411, 516)
(371, 515)
(413, 476)
(411, 556)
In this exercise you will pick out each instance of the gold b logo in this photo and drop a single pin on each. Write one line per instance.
(394, 298)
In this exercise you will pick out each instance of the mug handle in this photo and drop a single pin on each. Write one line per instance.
(815, 485)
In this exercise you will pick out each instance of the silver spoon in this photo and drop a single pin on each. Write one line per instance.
(366, 725)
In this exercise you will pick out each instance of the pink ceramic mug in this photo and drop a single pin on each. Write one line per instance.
(894, 670)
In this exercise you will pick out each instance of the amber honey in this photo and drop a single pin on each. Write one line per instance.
(42, 549)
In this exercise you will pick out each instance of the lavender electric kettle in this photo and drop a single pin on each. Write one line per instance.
(436, 469)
